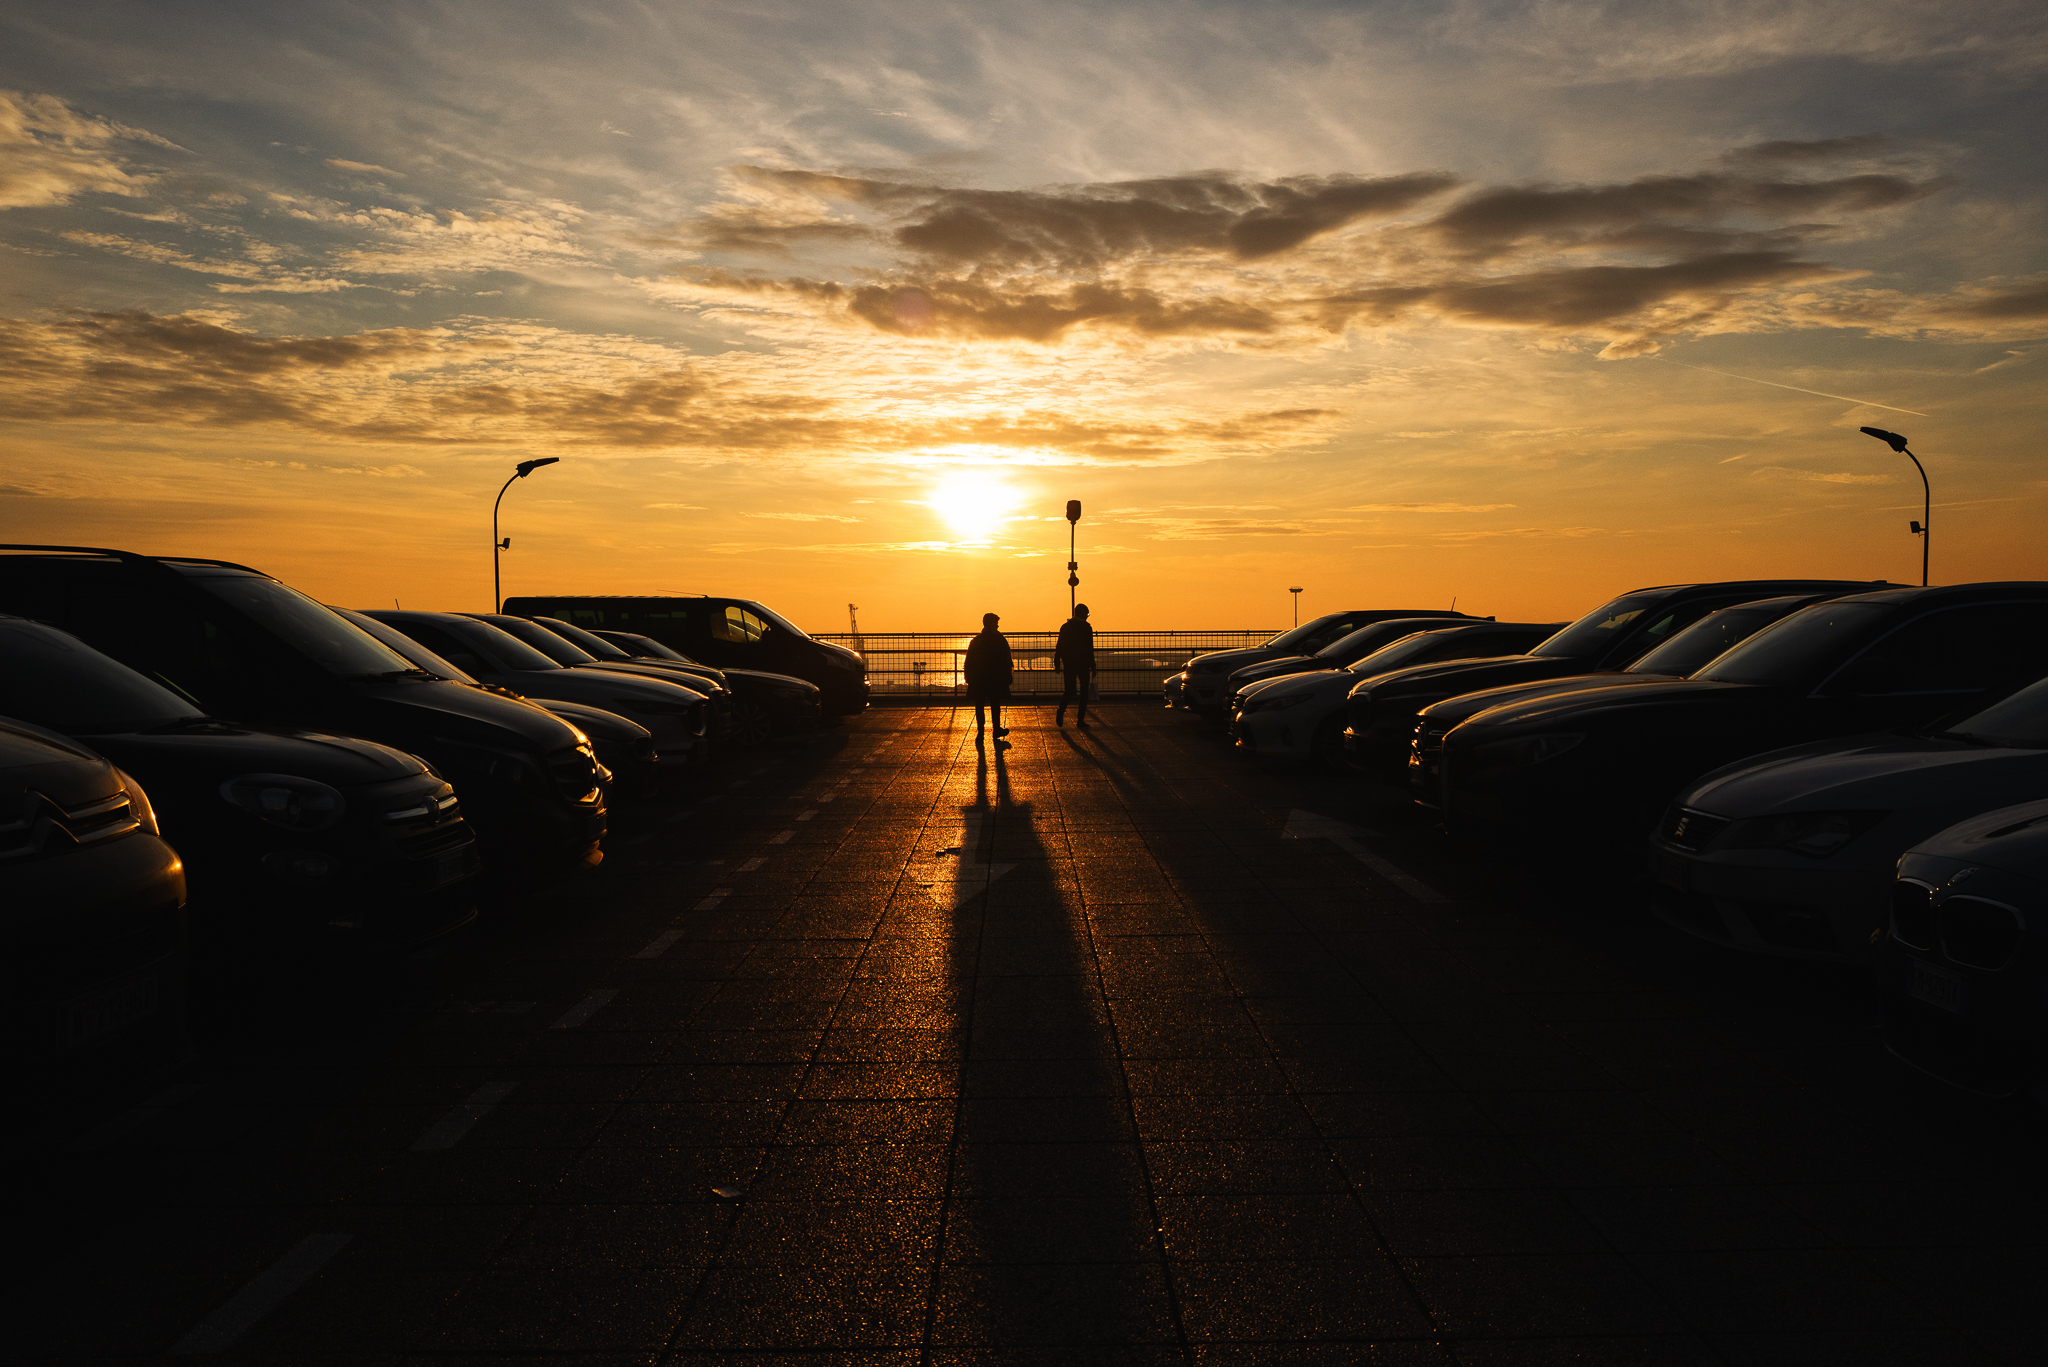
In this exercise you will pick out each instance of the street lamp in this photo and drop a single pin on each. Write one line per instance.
(525, 468)
(1924, 529)
(1073, 565)
(1296, 591)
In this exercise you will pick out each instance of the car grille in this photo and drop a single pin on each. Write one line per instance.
(1913, 914)
(45, 829)
(574, 772)
(1429, 736)
(1691, 830)
(1979, 934)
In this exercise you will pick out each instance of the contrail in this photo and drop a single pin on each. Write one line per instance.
(1795, 388)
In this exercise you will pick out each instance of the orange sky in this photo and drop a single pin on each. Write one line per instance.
(848, 315)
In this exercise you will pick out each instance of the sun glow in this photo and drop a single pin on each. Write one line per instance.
(973, 504)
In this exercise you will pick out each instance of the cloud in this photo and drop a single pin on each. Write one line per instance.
(1426, 508)
(1787, 152)
(50, 153)
(804, 517)
(362, 166)
(1788, 472)
(684, 507)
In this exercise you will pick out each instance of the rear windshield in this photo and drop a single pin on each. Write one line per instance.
(319, 633)
(1691, 649)
(53, 679)
(2019, 720)
(540, 638)
(1597, 630)
(1794, 648)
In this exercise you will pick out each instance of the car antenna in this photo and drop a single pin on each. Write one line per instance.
(1454, 602)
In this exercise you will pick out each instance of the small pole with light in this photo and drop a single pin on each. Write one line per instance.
(525, 468)
(1924, 529)
(1296, 591)
(1073, 565)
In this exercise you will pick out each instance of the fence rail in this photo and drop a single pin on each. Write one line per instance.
(910, 665)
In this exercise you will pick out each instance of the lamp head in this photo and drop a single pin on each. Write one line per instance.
(527, 467)
(1891, 439)
(1073, 510)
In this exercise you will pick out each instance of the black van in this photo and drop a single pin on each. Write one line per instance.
(731, 633)
(239, 643)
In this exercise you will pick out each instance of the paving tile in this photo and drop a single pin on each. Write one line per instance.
(1343, 1298)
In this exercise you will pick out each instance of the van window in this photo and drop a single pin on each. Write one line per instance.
(739, 625)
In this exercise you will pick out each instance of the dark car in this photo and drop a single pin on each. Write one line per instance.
(240, 644)
(1204, 685)
(674, 714)
(291, 839)
(762, 705)
(625, 749)
(1961, 974)
(1380, 713)
(1346, 650)
(1602, 763)
(90, 901)
(1678, 657)
(729, 633)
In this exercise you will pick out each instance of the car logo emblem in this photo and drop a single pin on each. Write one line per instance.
(1963, 875)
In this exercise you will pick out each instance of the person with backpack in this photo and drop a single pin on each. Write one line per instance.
(1074, 654)
(988, 671)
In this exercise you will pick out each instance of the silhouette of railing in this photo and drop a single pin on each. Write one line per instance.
(909, 665)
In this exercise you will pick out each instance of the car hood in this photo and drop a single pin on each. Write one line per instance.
(1885, 771)
(2010, 839)
(594, 687)
(1224, 661)
(214, 751)
(595, 722)
(1448, 678)
(651, 673)
(1283, 664)
(424, 709)
(766, 679)
(1455, 709)
(57, 766)
(1335, 682)
(1561, 709)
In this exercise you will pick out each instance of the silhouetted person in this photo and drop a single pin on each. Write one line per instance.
(988, 677)
(1075, 655)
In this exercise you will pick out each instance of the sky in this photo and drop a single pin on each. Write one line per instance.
(1520, 305)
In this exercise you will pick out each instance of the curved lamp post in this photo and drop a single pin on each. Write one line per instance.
(525, 468)
(1073, 565)
(1925, 527)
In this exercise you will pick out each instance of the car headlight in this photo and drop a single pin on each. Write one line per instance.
(138, 802)
(1524, 751)
(297, 804)
(1813, 834)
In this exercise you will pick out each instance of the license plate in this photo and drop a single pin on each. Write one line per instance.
(1674, 872)
(1936, 987)
(449, 867)
(103, 1013)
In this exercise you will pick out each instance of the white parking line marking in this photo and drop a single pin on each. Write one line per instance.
(260, 1295)
(780, 838)
(585, 1009)
(449, 1129)
(1309, 826)
(807, 814)
(756, 862)
(825, 797)
(140, 1115)
(717, 895)
(659, 944)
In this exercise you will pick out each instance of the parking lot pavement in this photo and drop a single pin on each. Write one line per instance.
(1113, 1047)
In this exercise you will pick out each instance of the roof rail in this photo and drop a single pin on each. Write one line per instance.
(134, 556)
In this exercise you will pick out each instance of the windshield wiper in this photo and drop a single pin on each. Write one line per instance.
(414, 673)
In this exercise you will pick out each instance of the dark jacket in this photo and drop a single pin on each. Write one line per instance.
(988, 665)
(1075, 652)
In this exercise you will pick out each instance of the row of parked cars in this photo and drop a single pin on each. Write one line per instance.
(200, 764)
(1824, 770)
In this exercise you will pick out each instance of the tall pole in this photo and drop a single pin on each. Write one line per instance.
(524, 468)
(1296, 591)
(1925, 526)
(1073, 565)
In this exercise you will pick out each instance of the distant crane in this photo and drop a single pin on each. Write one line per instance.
(853, 622)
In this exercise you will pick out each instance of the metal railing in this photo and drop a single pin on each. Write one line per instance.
(909, 665)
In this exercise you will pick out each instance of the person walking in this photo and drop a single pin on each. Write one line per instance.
(1075, 655)
(988, 673)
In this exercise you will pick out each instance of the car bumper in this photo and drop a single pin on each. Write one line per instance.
(1825, 914)
(1282, 734)
(1983, 1031)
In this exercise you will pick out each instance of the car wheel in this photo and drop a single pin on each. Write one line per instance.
(1326, 747)
(751, 723)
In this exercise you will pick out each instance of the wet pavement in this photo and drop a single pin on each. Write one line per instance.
(1114, 1048)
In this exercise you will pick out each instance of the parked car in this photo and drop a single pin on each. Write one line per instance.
(1341, 653)
(1380, 715)
(1601, 764)
(291, 840)
(761, 706)
(1962, 982)
(1203, 686)
(91, 899)
(1301, 716)
(1690, 650)
(625, 749)
(673, 714)
(1793, 852)
(240, 644)
(729, 633)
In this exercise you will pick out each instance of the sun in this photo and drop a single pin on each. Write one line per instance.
(973, 504)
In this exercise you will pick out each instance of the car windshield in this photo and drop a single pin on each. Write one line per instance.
(1794, 648)
(598, 647)
(654, 649)
(1393, 656)
(1593, 633)
(776, 621)
(322, 635)
(1705, 639)
(2019, 720)
(407, 646)
(53, 679)
(1358, 644)
(1307, 637)
(540, 638)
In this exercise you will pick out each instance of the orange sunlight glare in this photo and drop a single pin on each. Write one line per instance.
(973, 504)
